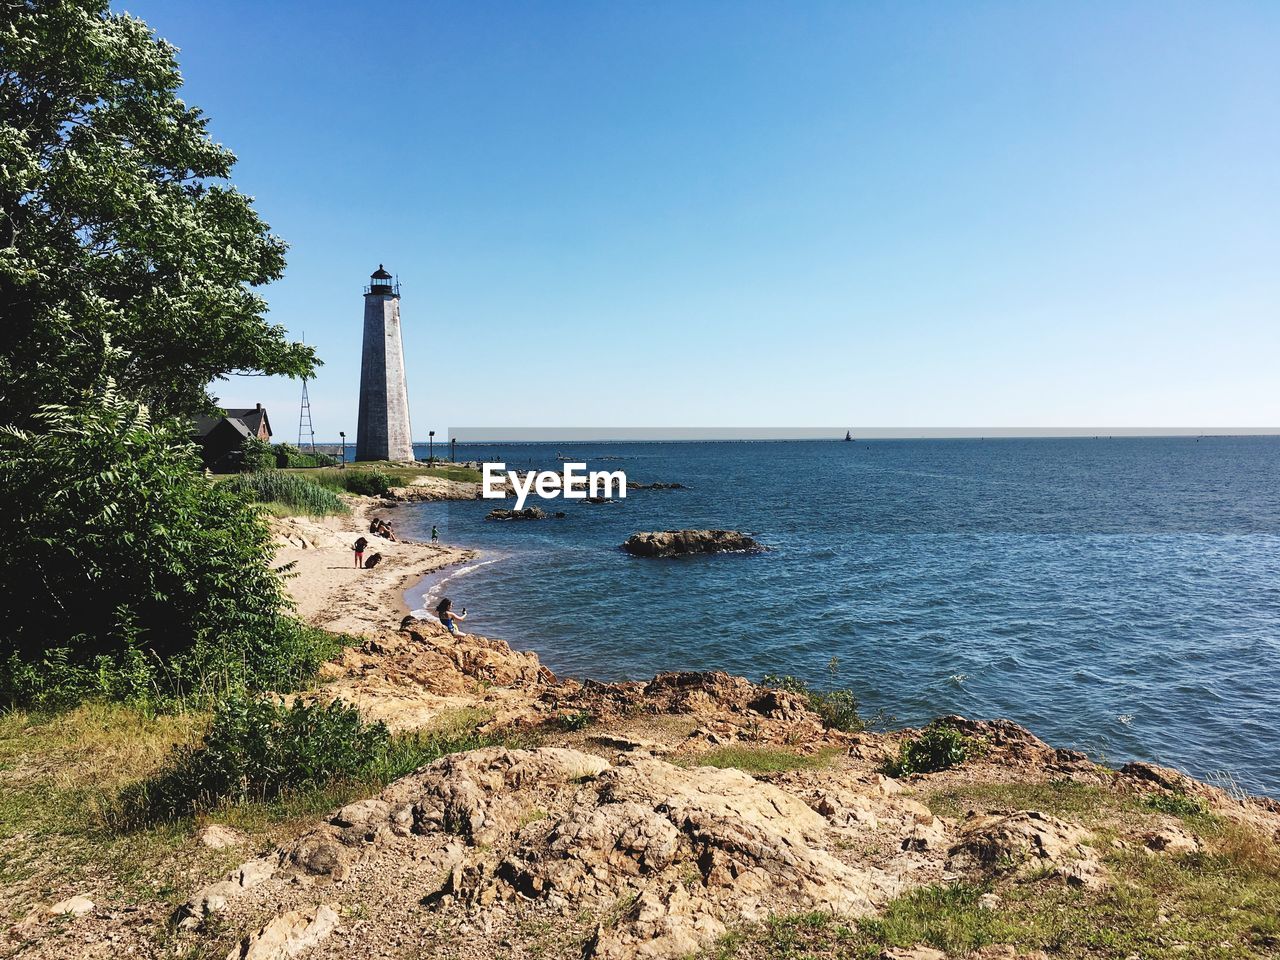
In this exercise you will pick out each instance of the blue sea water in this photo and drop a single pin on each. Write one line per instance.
(1120, 596)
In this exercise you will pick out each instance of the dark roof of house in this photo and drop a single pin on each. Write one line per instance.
(252, 417)
(245, 421)
(203, 426)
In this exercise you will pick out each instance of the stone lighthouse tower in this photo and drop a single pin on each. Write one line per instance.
(382, 432)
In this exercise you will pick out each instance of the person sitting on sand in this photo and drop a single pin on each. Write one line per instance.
(375, 525)
(444, 610)
(388, 532)
(358, 547)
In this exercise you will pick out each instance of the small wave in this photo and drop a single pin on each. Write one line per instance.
(958, 679)
(433, 592)
(1125, 718)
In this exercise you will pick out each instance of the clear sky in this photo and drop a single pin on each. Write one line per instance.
(762, 213)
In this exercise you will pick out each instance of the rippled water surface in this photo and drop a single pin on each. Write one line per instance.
(1116, 595)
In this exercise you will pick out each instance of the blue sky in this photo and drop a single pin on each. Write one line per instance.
(765, 214)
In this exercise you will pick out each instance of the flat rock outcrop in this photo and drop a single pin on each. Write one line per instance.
(676, 543)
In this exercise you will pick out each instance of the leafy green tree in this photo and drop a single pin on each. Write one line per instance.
(124, 251)
(127, 572)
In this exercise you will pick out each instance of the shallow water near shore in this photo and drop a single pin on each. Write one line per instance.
(1120, 596)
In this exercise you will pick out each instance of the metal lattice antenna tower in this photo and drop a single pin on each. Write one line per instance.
(305, 426)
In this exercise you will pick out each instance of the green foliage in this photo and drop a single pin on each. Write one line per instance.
(124, 251)
(127, 572)
(294, 490)
(256, 454)
(939, 746)
(838, 708)
(1176, 802)
(258, 749)
(367, 483)
(579, 720)
(289, 456)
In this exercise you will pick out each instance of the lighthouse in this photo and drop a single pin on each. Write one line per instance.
(382, 430)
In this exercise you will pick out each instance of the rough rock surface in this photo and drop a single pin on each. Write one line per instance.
(528, 513)
(76, 906)
(288, 935)
(215, 897)
(1024, 842)
(686, 851)
(675, 543)
(408, 678)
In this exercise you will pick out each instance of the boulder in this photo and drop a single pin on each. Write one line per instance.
(288, 935)
(675, 543)
(1023, 843)
(528, 513)
(76, 906)
(1171, 840)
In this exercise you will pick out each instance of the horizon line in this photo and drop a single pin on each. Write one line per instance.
(492, 435)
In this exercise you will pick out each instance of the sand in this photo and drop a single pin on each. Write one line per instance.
(331, 592)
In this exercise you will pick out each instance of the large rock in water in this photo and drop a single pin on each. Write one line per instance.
(675, 543)
(528, 513)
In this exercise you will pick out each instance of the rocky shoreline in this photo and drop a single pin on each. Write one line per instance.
(689, 815)
(623, 823)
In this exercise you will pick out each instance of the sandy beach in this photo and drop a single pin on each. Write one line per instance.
(328, 589)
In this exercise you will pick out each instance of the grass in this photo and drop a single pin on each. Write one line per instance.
(400, 475)
(288, 490)
(61, 776)
(759, 759)
(1068, 799)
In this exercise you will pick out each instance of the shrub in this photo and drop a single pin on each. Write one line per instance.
(938, 747)
(291, 489)
(256, 454)
(260, 749)
(287, 455)
(255, 749)
(127, 572)
(1176, 802)
(367, 483)
(575, 721)
(838, 708)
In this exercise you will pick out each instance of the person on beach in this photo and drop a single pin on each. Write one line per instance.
(435, 534)
(387, 532)
(375, 525)
(450, 620)
(358, 547)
